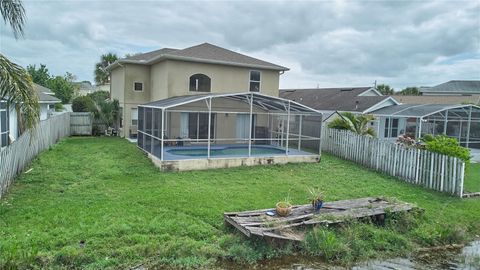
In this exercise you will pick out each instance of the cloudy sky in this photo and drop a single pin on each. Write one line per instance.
(324, 43)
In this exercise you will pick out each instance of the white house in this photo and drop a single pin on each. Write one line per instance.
(9, 130)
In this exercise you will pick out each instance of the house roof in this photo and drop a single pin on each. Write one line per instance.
(268, 103)
(440, 99)
(454, 86)
(85, 85)
(43, 96)
(417, 110)
(204, 53)
(334, 99)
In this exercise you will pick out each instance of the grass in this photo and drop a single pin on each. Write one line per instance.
(472, 177)
(99, 203)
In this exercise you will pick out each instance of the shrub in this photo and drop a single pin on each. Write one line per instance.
(447, 146)
(83, 104)
(58, 107)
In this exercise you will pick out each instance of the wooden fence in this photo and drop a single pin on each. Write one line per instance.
(81, 123)
(416, 166)
(15, 157)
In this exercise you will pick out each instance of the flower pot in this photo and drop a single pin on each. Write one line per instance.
(317, 204)
(283, 209)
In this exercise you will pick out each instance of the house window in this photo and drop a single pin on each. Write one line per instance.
(3, 124)
(391, 128)
(198, 126)
(138, 86)
(255, 81)
(200, 83)
(134, 116)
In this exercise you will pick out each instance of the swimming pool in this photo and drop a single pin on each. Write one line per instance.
(239, 150)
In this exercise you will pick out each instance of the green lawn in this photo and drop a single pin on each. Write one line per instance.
(472, 178)
(100, 203)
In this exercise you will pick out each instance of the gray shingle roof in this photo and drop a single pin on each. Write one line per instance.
(205, 52)
(42, 96)
(454, 86)
(333, 99)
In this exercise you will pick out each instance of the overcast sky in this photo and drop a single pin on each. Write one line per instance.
(324, 43)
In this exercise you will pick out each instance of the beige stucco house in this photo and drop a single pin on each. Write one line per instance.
(203, 68)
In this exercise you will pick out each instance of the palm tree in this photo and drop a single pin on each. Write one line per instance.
(354, 123)
(16, 85)
(101, 75)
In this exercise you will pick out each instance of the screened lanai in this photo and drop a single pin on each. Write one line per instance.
(227, 126)
(415, 120)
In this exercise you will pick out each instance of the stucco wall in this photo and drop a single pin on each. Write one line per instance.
(171, 78)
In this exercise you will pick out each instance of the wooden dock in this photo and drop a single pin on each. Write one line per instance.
(258, 223)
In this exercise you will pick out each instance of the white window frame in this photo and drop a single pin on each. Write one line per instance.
(131, 116)
(389, 126)
(250, 81)
(143, 86)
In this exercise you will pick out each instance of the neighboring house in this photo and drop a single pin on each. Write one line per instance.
(84, 88)
(103, 87)
(203, 68)
(461, 121)
(454, 87)
(330, 101)
(9, 130)
(439, 99)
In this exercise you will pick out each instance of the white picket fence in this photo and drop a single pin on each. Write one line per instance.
(416, 166)
(18, 155)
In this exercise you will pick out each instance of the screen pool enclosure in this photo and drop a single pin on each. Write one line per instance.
(229, 126)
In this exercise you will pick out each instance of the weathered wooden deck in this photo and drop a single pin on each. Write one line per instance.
(292, 227)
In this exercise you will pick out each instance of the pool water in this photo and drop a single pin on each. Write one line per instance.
(226, 151)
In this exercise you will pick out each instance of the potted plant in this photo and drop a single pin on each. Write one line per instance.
(284, 208)
(316, 198)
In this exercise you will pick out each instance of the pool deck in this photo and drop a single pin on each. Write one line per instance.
(173, 162)
(170, 156)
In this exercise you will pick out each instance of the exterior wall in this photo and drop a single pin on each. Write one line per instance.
(44, 110)
(172, 78)
(380, 105)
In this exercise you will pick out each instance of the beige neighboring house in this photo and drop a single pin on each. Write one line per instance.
(203, 68)
(439, 99)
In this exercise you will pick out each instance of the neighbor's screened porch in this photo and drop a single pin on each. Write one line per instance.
(227, 125)
(457, 121)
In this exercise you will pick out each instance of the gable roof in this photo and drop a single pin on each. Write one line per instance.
(335, 99)
(203, 53)
(43, 94)
(454, 86)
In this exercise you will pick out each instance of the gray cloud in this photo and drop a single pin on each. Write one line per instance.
(328, 43)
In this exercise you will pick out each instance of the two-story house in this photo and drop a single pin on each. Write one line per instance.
(203, 68)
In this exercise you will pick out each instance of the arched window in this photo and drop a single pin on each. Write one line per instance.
(200, 83)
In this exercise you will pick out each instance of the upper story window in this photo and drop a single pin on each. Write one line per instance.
(200, 83)
(391, 128)
(3, 124)
(138, 86)
(255, 81)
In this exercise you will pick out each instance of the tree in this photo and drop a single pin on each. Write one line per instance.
(83, 104)
(39, 76)
(385, 89)
(16, 85)
(101, 75)
(62, 88)
(354, 123)
(410, 91)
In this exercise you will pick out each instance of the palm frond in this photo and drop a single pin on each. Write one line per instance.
(13, 14)
(16, 87)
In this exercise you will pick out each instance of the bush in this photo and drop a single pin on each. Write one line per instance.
(58, 107)
(447, 146)
(83, 104)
